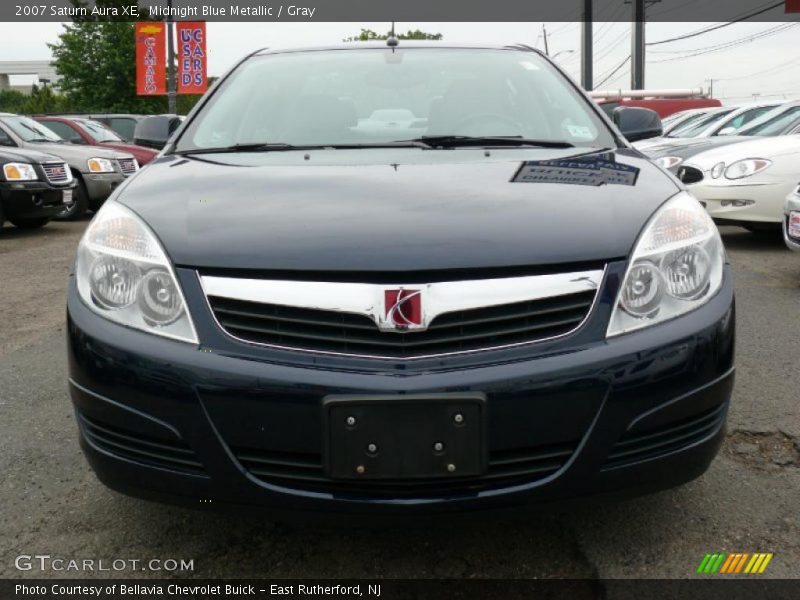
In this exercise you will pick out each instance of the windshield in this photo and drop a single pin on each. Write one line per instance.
(772, 123)
(683, 120)
(340, 97)
(30, 131)
(98, 131)
(694, 127)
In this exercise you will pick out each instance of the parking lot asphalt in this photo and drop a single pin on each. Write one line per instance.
(52, 503)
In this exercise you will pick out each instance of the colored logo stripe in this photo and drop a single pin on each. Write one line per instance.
(737, 562)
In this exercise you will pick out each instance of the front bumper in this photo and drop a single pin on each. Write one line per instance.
(211, 426)
(99, 186)
(32, 199)
(759, 202)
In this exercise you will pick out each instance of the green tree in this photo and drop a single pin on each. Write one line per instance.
(44, 100)
(12, 101)
(96, 59)
(368, 35)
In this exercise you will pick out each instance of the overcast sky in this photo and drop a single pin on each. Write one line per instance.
(768, 65)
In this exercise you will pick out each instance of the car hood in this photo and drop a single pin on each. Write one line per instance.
(761, 147)
(397, 210)
(27, 156)
(686, 148)
(130, 149)
(77, 155)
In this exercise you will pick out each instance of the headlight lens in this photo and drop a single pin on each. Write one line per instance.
(668, 162)
(100, 165)
(717, 169)
(19, 172)
(746, 168)
(124, 275)
(675, 267)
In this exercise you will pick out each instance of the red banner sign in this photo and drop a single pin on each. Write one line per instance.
(793, 6)
(192, 75)
(151, 63)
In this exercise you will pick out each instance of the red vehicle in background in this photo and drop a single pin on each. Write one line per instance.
(664, 102)
(80, 130)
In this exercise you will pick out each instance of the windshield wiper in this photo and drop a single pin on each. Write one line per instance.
(37, 140)
(254, 147)
(454, 141)
(283, 147)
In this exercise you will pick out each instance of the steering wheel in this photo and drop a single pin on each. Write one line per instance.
(483, 118)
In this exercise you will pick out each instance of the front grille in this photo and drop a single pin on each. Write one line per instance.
(689, 175)
(173, 454)
(346, 333)
(657, 442)
(56, 172)
(305, 472)
(127, 166)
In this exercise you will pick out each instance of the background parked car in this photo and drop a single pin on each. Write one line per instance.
(670, 154)
(664, 102)
(123, 124)
(746, 183)
(150, 131)
(98, 171)
(80, 130)
(34, 187)
(706, 115)
(725, 124)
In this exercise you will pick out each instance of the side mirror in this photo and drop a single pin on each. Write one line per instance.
(78, 141)
(154, 132)
(727, 131)
(637, 123)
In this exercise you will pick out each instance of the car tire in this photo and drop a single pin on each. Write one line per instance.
(80, 203)
(30, 223)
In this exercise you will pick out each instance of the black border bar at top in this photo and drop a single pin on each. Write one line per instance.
(411, 11)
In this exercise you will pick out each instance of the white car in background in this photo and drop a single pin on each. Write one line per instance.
(725, 123)
(791, 222)
(745, 184)
(683, 119)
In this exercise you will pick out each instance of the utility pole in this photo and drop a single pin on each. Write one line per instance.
(637, 46)
(587, 49)
(172, 107)
(544, 33)
(710, 87)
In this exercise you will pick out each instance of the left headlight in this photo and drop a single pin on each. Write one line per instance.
(676, 266)
(19, 172)
(124, 275)
(745, 168)
(100, 165)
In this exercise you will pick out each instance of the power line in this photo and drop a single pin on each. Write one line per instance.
(790, 64)
(769, 29)
(619, 66)
(720, 26)
(731, 44)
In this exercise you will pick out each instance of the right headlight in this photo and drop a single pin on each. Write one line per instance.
(676, 266)
(124, 275)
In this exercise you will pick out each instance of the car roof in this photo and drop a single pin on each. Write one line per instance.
(381, 44)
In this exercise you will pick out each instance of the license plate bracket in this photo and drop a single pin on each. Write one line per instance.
(405, 431)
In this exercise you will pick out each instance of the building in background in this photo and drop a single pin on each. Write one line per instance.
(22, 75)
